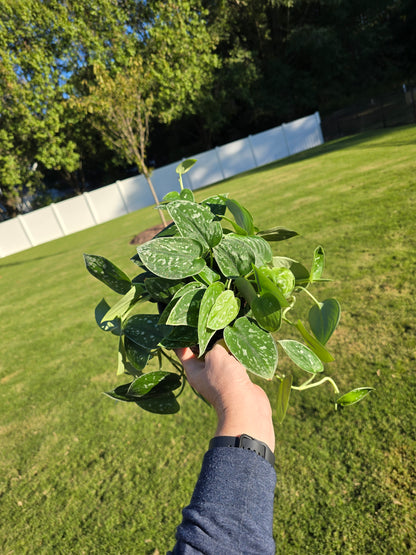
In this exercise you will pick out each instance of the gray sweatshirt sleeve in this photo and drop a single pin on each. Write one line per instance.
(231, 510)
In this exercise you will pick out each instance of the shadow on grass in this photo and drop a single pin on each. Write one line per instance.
(27, 260)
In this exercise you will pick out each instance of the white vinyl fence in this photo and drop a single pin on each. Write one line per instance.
(128, 195)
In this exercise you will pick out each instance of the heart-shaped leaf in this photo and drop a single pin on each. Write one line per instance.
(108, 273)
(186, 310)
(277, 234)
(217, 205)
(145, 330)
(187, 194)
(353, 396)
(283, 395)
(163, 404)
(224, 311)
(208, 300)
(138, 356)
(267, 311)
(324, 320)
(191, 286)
(196, 221)
(302, 356)
(253, 347)
(172, 257)
(154, 383)
(185, 166)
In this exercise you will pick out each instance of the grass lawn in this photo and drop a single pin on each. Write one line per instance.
(82, 474)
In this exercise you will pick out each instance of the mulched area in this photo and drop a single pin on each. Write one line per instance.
(146, 235)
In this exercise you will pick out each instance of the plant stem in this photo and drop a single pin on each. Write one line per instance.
(180, 181)
(308, 384)
(311, 296)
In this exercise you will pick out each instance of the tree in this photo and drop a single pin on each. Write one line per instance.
(156, 76)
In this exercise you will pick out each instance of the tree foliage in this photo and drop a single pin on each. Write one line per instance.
(198, 72)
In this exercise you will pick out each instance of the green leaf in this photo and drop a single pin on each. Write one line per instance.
(145, 330)
(163, 404)
(154, 383)
(318, 264)
(253, 347)
(217, 205)
(185, 166)
(187, 194)
(207, 276)
(277, 234)
(161, 289)
(324, 320)
(208, 300)
(138, 356)
(180, 336)
(173, 195)
(172, 257)
(234, 258)
(302, 356)
(224, 311)
(281, 277)
(260, 248)
(196, 221)
(241, 215)
(186, 310)
(191, 286)
(267, 284)
(353, 396)
(314, 344)
(236, 254)
(120, 393)
(112, 325)
(124, 304)
(266, 310)
(283, 395)
(108, 273)
(298, 270)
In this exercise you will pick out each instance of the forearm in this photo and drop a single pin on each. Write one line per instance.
(231, 510)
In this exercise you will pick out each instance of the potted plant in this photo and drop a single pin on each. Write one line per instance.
(211, 274)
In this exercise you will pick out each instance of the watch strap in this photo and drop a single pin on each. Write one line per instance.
(244, 442)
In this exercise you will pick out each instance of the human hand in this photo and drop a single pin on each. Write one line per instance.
(242, 407)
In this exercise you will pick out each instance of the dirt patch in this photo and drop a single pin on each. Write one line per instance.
(146, 235)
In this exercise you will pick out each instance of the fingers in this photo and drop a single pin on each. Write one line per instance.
(189, 361)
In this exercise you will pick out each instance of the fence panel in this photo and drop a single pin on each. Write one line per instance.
(131, 194)
(106, 203)
(269, 146)
(236, 157)
(43, 225)
(13, 237)
(303, 133)
(207, 171)
(136, 192)
(74, 214)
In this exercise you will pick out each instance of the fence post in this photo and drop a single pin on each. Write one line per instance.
(91, 208)
(58, 218)
(26, 230)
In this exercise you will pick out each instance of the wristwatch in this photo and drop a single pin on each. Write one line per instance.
(244, 442)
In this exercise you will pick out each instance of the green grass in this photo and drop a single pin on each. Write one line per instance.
(82, 474)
